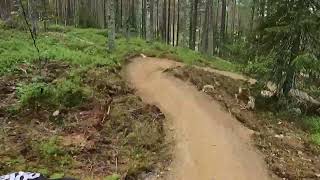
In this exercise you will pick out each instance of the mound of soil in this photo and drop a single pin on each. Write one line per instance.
(286, 148)
(111, 132)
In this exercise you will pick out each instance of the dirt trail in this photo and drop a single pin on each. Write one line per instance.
(211, 145)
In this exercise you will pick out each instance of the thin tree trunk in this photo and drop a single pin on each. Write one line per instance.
(157, 28)
(217, 35)
(164, 21)
(117, 15)
(178, 24)
(121, 13)
(205, 29)
(195, 20)
(143, 19)
(111, 29)
(151, 19)
(45, 14)
(173, 22)
(223, 19)
(239, 23)
(233, 18)
(191, 46)
(169, 22)
(33, 17)
(253, 12)
(193, 24)
(227, 24)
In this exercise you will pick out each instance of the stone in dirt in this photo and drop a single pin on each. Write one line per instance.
(56, 113)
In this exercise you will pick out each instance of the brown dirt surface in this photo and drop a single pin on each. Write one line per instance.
(111, 132)
(210, 143)
(286, 148)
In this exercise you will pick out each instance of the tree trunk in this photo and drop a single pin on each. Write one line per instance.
(223, 19)
(143, 19)
(117, 15)
(33, 16)
(151, 19)
(173, 22)
(205, 28)
(193, 24)
(164, 21)
(253, 12)
(217, 35)
(157, 28)
(112, 26)
(178, 24)
(233, 18)
(121, 13)
(191, 46)
(45, 15)
(169, 22)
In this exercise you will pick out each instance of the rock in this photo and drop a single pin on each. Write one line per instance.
(243, 95)
(280, 136)
(303, 97)
(296, 111)
(208, 88)
(56, 113)
(251, 103)
(267, 94)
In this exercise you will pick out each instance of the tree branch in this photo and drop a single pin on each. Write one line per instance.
(33, 36)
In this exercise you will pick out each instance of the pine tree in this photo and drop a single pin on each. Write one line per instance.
(290, 35)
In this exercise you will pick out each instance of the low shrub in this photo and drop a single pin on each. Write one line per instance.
(70, 93)
(35, 94)
(66, 93)
(312, 124)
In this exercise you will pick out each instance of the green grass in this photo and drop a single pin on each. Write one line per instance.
(222, 64)
(86, 47)
(113, 177)
(316, 138)
(65, 92)
(312, 124)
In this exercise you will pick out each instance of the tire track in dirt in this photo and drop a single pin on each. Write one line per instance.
(210, 143)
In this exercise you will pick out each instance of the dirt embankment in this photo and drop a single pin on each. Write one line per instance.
(286, 148)
(111, 131)
(210, 144)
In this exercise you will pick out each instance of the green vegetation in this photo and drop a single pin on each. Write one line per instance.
(34, 94)
(51, 151)
(65, 92)
(87, 47)
(113, 177)
(84, 116)
(312, 124)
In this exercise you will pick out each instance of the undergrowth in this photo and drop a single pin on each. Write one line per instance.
(70, 98)
(88, 47)
(66, 93)
(312, 124)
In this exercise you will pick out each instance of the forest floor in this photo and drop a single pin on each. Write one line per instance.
(107, 130)
(73, 113)
(68, 111)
